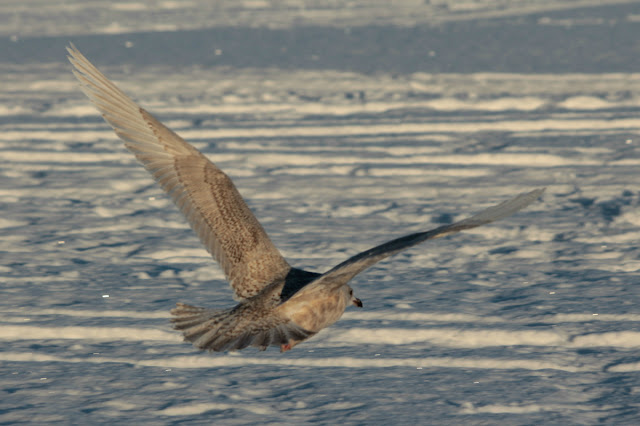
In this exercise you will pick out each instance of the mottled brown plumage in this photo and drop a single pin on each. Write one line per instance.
(279, 305)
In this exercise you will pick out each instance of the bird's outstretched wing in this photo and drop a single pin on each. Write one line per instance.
(204, 194)
(348, 269)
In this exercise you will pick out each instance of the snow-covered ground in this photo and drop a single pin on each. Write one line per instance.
(532, 320)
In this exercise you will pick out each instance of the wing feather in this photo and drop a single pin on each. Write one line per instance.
(204, 194)
(348, 269)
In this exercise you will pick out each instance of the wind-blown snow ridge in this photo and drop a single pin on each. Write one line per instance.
(422, 317)
(203, 407)
(131, 17)
(88, 313)
(257, 133)
(479, 338)
(354, 336)
(204, 362)
(469, 408)
(25, 332)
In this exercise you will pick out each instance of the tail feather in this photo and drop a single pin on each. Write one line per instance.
(188, 317)
(262, 340)
(235, 329)
(242, 342)
(217, 338)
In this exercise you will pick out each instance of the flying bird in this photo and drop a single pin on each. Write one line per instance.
(279, 305)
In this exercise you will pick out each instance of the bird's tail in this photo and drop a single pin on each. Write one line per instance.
(234, 329)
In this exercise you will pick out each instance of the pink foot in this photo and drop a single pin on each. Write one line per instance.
(285, 347)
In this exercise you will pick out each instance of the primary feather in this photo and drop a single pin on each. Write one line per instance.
(203, 193)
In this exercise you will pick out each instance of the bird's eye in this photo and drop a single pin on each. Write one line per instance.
(350, 292)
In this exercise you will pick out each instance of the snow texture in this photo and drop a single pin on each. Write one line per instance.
(343, 126)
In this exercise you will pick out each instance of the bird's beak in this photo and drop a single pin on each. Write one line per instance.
(357, 302)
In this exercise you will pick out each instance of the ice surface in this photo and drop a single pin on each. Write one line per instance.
(531, 320)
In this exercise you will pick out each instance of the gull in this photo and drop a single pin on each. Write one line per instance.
(278, 305)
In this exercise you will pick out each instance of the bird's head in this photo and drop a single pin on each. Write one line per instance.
(354, 300)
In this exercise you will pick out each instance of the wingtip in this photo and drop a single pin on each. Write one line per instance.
(75, 56)
(72, 50)
(530, 196)
(538, 191)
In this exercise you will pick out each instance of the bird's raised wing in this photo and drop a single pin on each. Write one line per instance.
(204, 194)
(348, 269)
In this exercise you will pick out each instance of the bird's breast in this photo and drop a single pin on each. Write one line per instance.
(315, 313)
